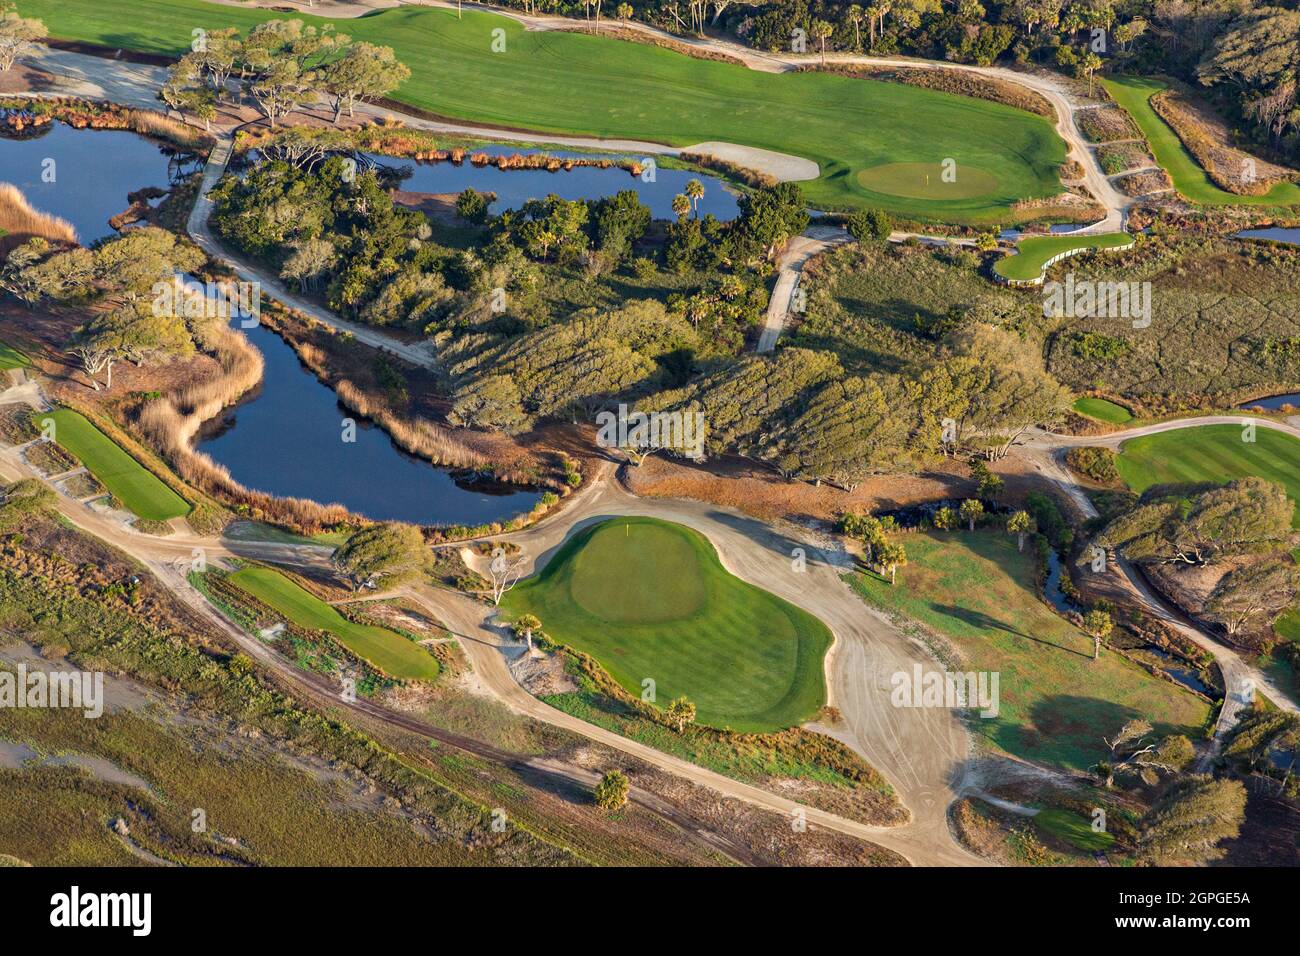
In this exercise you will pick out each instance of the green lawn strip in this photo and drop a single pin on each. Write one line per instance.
(141, 491)
(1103, 410)
(649, 599)
(978, 592)
(577, 83)
(387, 650)
(1032, 253)
(1073, 829)
(11, 357)
(1134, 93)
(1211, 453)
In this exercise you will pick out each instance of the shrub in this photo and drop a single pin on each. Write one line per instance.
(870, 224)
(611, 792)
(1097, 463)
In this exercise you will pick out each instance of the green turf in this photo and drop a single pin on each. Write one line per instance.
(1102, 410)
(142, 492)
(11, 357)
(649, 599)
(977, 592)
(1032, 253)
(387, 650)
(1211, 453)
(569, 82)
(1073, 829)
(1134, 93)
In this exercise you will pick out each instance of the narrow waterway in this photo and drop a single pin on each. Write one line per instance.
(287, 438)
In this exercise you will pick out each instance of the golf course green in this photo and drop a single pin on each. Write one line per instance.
(1103, 410)
(650, 600)
(139, 489)
(1211, 453)
(387, 650)
(1134, 93)
(578, 83)
(1032, 254)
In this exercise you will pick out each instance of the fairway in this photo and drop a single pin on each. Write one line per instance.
(1211, 453)
(577, 83)
(1103, 410)
(925, 181)
(1055, 703)
(1032, 254)
(387, 650)
(141, 491)
(649, 599)
(1134, 93)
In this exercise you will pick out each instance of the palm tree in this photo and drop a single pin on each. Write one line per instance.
(1090, 63)
(624, 11)
(695, 192)
(854, 15)
(821, 29)
(681, 206)
(873, 12)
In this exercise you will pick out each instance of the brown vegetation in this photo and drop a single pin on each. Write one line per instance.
(959, 82)
(24, 112)
(1145, 182)
(21, 222)
(1206, 138)
(1106, 124)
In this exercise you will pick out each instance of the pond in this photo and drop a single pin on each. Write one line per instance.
(1274, 403)
(286, 439)
(1275, 233)
(514, 187)
(84, 176)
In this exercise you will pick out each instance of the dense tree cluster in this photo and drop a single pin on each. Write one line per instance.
(117, 282)
(282, 66)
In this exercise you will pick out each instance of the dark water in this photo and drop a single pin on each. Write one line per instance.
(286, 439)
(1052, 587)
(93, 171)
(1176, 668)
(1276, 233)
(514, 187)
(1274, 402)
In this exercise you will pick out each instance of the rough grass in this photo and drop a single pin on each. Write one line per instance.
(1073, 829)
(649, 599)
(1032, 253)
(1103, 410)
(130, 482)
(1225, 325)
(387, 650)
(1134, 93)
(568, 82)
(1211, 453)
(978, 592)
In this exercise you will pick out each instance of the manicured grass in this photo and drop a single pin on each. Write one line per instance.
(1032, 253)
(1102, 410)
(387, 650)
(1134, 93)
(649, 599)
(592, 85)
(1073, 829)
(142, 492)
(10, 357)
(1211, 453)
(1055, 703)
